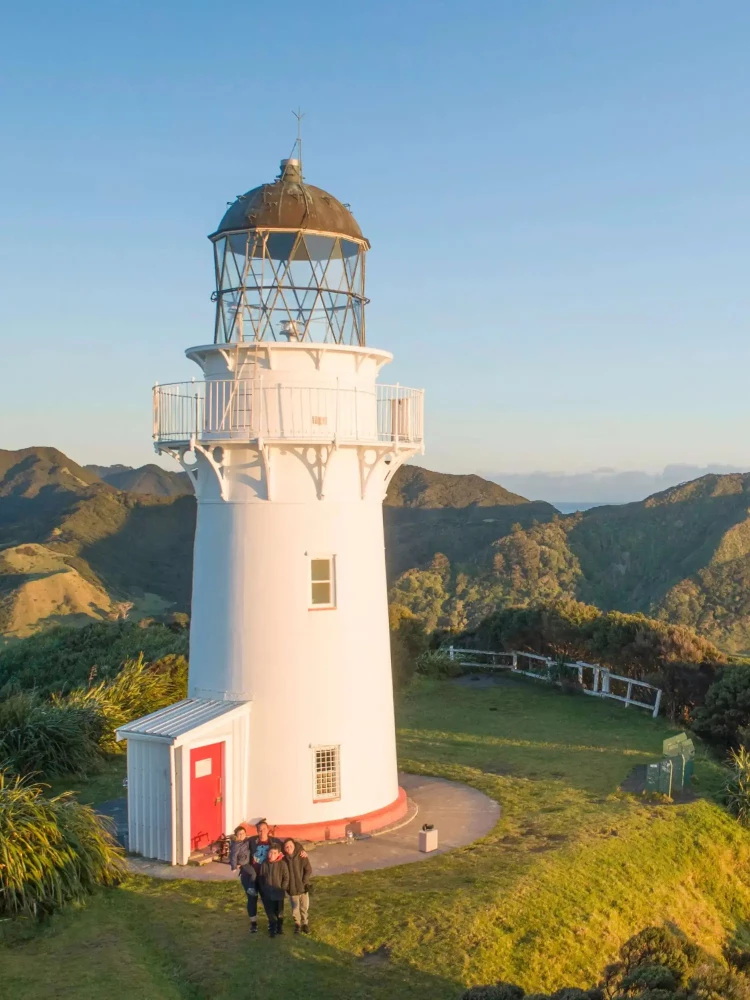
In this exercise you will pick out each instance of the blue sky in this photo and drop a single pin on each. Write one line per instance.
(556, 193)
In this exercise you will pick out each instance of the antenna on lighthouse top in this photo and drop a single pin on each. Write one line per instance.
(299, 115)
(291, 168)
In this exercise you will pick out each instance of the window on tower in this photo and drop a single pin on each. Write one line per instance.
(327, 773)
(322, 582)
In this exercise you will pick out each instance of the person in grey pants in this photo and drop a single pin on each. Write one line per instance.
(300, 877)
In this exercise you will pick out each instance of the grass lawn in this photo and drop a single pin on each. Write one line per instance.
(571, 870)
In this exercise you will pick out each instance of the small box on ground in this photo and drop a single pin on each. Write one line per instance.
(428, 840)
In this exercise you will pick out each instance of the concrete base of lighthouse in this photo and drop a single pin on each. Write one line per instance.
(338, 829)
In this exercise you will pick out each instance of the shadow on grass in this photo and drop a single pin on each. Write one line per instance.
(203, 944)
(173, 941)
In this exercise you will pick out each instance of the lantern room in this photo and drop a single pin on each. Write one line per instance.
(290, 266)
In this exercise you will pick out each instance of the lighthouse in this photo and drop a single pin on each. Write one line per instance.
(290, 440)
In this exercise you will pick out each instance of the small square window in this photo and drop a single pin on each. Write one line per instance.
(327, 783)
(321, 583)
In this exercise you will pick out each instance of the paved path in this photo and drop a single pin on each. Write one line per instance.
(461, 814)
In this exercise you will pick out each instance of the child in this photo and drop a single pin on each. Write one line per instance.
(300, 876)
(240, 857)
(273, 883)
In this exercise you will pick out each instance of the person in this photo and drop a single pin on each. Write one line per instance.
(259, 845)
(300, 877)
(273, 885)
(240, 859)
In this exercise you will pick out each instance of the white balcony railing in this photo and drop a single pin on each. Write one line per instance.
(246, 410)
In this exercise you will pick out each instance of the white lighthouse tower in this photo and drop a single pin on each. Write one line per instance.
(290, 442)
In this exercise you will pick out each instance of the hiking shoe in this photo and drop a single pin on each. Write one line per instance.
(272, 931)
(253, 927)
(297, 928)
(305, 929)
(280, 927)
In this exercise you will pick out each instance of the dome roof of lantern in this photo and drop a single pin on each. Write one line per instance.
(289, 203)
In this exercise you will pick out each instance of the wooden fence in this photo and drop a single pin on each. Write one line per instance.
(594, 679)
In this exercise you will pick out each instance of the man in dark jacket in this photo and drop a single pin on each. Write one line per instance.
(240, 858)
(300, 876)
(273, 884)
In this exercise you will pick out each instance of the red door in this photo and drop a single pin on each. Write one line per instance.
(206, 795)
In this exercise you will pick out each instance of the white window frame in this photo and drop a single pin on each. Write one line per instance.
(335, 794)
(329, 605)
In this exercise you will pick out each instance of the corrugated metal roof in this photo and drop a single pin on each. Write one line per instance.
(176, 720)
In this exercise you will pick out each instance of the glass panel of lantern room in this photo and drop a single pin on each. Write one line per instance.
(353, 256)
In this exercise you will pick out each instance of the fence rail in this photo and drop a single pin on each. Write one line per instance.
(248, 409)
(594, 679)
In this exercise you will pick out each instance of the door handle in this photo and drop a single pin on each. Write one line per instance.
(217, 800)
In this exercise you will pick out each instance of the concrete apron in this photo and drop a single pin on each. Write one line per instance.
(460, 813)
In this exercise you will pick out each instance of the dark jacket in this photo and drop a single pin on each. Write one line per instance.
(259, 850)
(273, 879)
(300, 872)
(240, 857)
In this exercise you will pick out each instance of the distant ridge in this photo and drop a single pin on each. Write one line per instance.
(151, 479)
(413, 486)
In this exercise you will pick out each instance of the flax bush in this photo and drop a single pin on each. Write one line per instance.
(138, 689)
(52, 851)
(46, 739)
(737, 788)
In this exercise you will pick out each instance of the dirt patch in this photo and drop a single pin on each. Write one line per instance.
(481, 681)
(378, 956)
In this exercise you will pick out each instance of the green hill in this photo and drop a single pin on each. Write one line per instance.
(682, 555)
(459, 544)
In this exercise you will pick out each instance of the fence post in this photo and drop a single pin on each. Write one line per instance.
(596, 680)
(515, 660)
(657, 706)
(450, 652)
(605, 681)
(628, 695)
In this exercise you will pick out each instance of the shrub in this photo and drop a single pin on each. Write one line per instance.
(500, 991)
(737, 788)
(437, 663)
(138, 689)
(52, 851)
(726, 711)
(685, 686)
(49, 740)
(408, 642)
(69, 734)
(628, 643)
(63, 658)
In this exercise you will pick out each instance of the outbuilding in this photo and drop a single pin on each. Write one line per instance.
(187, 776)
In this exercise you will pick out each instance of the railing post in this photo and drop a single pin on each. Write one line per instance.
(657, 706)
(605, 681)
(629, 694)
(450, 652)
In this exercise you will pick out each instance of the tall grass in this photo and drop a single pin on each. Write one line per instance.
(69, 734)
(52, 851)
(47, 739)
(138, 689)
(737, 788)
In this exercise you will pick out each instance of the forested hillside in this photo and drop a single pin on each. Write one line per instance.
(682, 555)
(74, 547)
